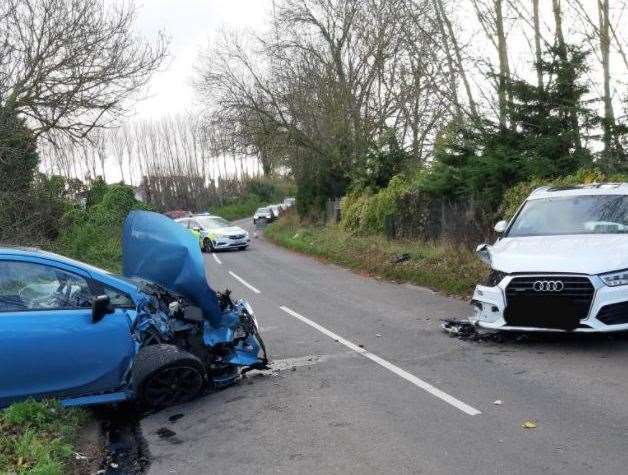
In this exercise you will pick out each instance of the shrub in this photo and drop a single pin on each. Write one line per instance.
(366, 213)
(94, 234)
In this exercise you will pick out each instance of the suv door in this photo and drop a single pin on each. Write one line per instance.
(48, 343)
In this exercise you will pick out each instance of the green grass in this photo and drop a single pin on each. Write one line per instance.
(440, 267)
(239, 209)
(38, 437)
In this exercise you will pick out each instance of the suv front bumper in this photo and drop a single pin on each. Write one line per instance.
(608, 311)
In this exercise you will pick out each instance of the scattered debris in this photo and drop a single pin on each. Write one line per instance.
(165, 433)
(378, 335)
(498, 402)
(175, 417)
(361, 345)
(80, 456)
(529, 425)
(398, 258)
(466, 330)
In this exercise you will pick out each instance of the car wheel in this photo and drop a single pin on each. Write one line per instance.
(243, 248)
(207, 245)
(164, 375)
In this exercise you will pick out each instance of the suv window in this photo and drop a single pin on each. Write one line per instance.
(28, 286)
(595, 214)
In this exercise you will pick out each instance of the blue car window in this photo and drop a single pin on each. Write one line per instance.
(26, 286)
(118, 298)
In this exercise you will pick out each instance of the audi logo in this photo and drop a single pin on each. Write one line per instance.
(548, 286)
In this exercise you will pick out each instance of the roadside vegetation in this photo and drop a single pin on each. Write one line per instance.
(258, 193)
(38, 438)
(451, 270)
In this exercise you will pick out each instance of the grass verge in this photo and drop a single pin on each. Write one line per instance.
(444, 268)
(38, 437)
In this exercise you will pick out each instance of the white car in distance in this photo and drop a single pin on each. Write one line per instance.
(263, 214)
(217, 233)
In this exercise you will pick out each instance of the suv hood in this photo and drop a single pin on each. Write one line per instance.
(582, 254)
(157, 249)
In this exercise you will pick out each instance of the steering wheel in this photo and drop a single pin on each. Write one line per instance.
(36, 299)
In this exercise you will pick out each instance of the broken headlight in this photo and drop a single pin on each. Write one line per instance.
(614, 279)
(494, 278)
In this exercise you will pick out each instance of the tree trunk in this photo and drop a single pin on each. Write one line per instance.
(609, 116)
(537, 43)
(444, 23)
(504, 67)
(562, 52)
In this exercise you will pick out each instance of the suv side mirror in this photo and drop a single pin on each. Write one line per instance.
(101, 306)
(501, 226)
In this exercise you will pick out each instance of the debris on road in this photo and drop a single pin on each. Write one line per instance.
(529, 425)
(175, 417)
(466, 330)
(399, 258)
(498, 402)
(165, 433)
(378, 335)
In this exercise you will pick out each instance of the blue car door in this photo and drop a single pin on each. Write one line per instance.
(49, 345)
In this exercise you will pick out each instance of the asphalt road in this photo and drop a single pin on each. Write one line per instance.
(366, 382)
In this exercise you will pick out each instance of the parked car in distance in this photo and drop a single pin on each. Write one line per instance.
(263, 213)
(158, 333)
(289, 201)
(276, 210)
(560, 264)
(216, 232)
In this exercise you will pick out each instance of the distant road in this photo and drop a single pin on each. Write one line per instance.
(366, 382)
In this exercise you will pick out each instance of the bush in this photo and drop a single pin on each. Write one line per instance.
(94, 234)
(366, 213)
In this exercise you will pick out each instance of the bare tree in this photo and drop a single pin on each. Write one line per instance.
(71, 66)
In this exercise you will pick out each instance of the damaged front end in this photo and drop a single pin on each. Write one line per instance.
(179, 308)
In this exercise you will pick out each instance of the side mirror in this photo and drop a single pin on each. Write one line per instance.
(101, 306)
(483, 252)
(501, 226)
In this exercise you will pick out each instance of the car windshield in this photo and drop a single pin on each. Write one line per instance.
(598, 214)
(262, 210)
(212, 222)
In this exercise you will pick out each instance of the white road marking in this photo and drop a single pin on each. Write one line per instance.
(389, 366)
(244, 282)
(216, 258)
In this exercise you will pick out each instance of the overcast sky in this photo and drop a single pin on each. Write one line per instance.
(189, 24)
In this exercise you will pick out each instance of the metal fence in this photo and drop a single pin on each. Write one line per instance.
(435, 219)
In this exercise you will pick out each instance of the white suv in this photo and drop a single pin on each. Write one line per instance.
(561, 264)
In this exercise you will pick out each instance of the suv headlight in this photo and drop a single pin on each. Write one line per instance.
(494, 278)
(613, 279)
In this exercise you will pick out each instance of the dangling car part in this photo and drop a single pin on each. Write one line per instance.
(158, 334)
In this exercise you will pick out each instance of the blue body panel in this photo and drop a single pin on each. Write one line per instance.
(63, 353)
(158, 249)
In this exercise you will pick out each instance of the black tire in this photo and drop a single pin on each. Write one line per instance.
(164, 375)
(207, 245)
(243, 248)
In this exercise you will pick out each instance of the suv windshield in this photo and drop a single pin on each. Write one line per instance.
(212, 223)
(599, 214)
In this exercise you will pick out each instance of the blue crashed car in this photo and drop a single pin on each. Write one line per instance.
(158, 334)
